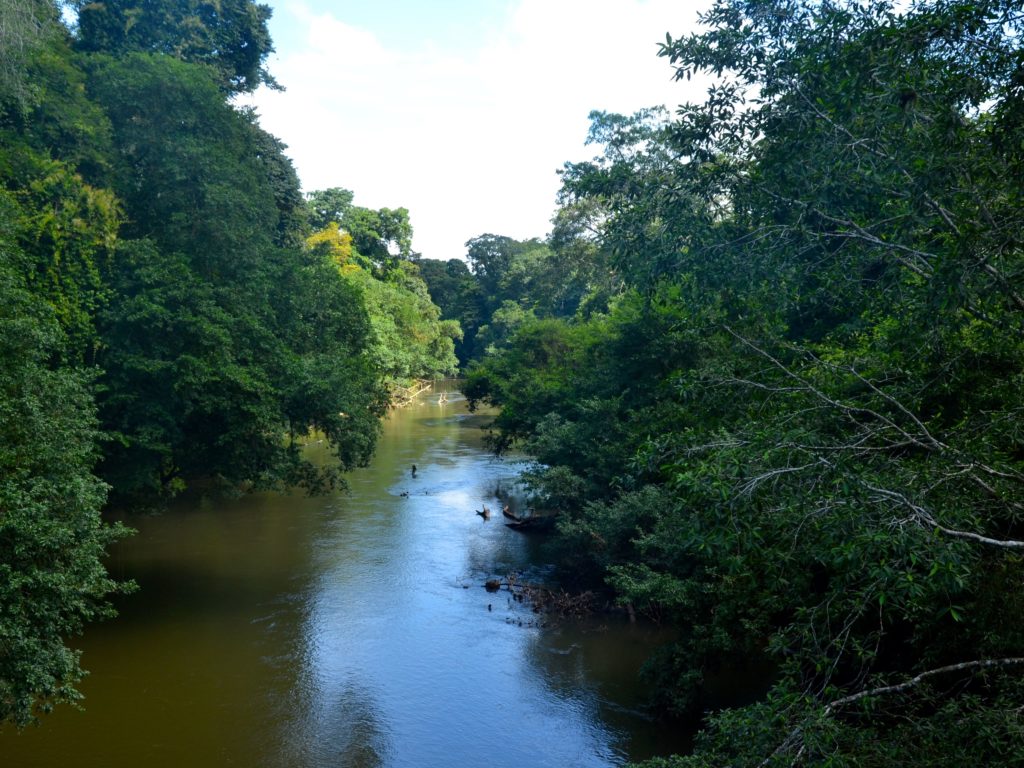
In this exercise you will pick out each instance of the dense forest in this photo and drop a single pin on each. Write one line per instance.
(769, 360)
(783, 413)
(174, 310)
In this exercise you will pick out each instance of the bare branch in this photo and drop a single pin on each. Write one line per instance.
(906, 411)
(751, 485)
(928, 443)
(922, 515)
(795, 736)
(886, 690)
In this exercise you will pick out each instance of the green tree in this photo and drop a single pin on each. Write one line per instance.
(52, 540)
(380, 237)
(218, 345)
(229, 37)
(490, 257)
(823, 480)
(68, 233)
(25, 26)
(407, 337)
(152, 274)
(328, 205)
(372, 251)
(459, 296)
(502, 324)
(409, 340)
(517, 279)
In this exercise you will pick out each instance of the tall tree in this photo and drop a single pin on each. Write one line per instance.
(371, 250)
(327, 206)
(211, 345)
(25, 26)
(826, 471)
(380, 237)
(151, 258)
(459, 296)
(490, 257)
(228, 36)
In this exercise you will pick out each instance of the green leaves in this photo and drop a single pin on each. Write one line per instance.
(817, 374)
(229, 37)
(52, 540)
(152, 230)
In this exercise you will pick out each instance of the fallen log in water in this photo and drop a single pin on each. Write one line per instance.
(403, 396)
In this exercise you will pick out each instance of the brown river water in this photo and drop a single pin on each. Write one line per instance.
(353, 630)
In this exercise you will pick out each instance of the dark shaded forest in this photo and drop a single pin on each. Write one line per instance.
(769, 363)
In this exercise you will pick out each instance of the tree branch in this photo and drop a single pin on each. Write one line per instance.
(796, 735)
(885, 690)
(922, 515)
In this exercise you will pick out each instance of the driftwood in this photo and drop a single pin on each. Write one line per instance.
(403, 396)
(545, 600)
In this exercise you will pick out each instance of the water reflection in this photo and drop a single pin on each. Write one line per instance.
(348, 631)
(345, 727)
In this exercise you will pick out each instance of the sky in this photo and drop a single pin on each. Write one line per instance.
(461, 111)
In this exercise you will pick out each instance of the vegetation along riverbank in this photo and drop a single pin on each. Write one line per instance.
(769, 359)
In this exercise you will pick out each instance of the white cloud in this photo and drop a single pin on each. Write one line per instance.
(470, 140)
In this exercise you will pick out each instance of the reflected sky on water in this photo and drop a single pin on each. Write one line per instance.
(349, 630)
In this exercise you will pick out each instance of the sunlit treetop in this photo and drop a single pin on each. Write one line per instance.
(230, 36)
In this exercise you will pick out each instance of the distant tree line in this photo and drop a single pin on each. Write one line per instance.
(503, 283)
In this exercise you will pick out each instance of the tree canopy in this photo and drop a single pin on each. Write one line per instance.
(807, 453)
(229, 37)
(372, 251)
(52, 578)
(769, 360)
(165, 322)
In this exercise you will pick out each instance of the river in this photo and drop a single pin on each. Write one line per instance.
(353, 630)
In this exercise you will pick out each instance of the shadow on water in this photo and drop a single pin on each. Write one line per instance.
(350, 630)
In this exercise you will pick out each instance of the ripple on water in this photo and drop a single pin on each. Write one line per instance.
(351, 630)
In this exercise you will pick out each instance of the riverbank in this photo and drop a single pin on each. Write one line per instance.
(284, 630)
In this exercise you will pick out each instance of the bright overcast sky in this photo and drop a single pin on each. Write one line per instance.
(461, 111)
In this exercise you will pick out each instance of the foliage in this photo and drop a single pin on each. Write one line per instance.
(52, 540)
(520, 272)
(25, 26)
(809, 453)
(333, 243)
(185, 398)
(504, 322)
(233, 331)
(229, 37)
(409, 340)
(505, 282)
(371, 250)
(67, 233)
(162, 318)
(459, 297)
(188, 167)
(380, 237)
(328, 206)
(53, 118)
